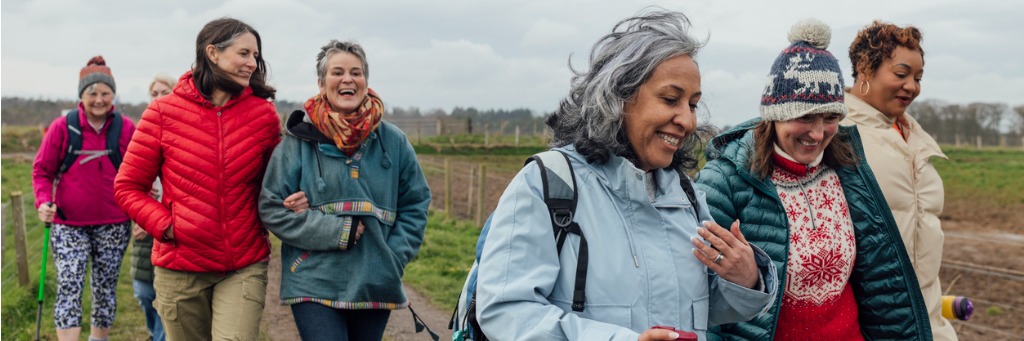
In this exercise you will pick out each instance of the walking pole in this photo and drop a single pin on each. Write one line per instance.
(42, 268)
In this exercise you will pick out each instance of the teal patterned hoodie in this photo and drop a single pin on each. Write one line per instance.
(381, 185)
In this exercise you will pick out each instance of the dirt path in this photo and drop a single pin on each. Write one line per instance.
(278, 324)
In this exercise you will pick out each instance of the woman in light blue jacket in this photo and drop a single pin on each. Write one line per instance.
(628, 127)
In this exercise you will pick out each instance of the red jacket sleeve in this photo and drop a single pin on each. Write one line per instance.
(140, 167)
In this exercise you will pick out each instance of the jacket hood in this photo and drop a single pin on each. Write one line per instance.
(186, 88)
(298, 126)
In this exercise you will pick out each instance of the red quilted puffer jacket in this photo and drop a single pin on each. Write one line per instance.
(211, 161)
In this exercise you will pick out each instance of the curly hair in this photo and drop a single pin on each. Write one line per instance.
(591, 116)
(878, 41)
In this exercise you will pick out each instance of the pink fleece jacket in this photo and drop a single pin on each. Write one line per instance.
(85, 193)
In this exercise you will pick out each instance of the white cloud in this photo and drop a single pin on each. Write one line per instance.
(493, 54)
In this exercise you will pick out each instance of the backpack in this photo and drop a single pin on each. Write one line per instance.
(74, 150)
(75, 143)
(560, 195)
(559, 188)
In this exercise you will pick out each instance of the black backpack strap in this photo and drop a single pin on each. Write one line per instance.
(560, 196)
(74, 128)
(114, 140)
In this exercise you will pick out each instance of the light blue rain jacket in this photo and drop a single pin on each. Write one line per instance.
(642, 271)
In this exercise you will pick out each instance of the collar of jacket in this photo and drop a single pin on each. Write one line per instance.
(863, 114)
(296, 126)
(186, 88)
(618, 174)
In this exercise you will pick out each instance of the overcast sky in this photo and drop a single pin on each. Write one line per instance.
(494, 54)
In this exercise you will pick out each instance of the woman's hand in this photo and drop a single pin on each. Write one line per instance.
(46, 212)
(658, 334)
(296, 202)
(137, 232)
(730, 255)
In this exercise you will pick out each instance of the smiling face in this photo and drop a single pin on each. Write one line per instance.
(806, 137)
(663, 112)
(345, 82)
(237, 59)
(98, 99)
(896, 83)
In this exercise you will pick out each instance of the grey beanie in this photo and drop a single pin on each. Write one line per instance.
(96, 71)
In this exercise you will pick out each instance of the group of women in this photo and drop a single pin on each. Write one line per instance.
(784, 233)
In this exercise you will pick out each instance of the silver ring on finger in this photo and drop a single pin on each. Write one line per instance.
(719, 258)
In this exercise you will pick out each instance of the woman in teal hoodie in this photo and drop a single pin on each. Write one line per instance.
(343, 258)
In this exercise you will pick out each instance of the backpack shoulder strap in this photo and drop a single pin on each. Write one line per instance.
(559, 186)
(114, 140)
(74, 128)
(560, 196)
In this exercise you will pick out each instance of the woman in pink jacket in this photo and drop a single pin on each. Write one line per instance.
(79, 201)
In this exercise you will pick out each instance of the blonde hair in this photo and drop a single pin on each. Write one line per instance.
(163, 78)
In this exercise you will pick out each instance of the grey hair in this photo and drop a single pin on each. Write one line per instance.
(591, 116)
(333, 47)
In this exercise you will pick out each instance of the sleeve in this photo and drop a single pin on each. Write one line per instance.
(731, 303)
(413, 202)
(48, 160)
(518, 270)
(140, 167)
(310, 230)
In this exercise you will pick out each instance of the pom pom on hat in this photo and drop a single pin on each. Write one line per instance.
(805, 78)
(95, 71)
(812, 31)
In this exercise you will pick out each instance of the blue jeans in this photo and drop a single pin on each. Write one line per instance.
(319, 322)
(145, 294)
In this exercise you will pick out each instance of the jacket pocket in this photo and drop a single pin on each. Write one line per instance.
(254, 283)
(298, 261)
(700, 312)
(168, 310)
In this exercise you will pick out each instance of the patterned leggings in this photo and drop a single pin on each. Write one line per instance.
(72, 248)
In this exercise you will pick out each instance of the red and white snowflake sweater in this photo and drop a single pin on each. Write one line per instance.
(818, 303)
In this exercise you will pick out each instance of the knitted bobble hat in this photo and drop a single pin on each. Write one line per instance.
(95, 71)
(805, 79)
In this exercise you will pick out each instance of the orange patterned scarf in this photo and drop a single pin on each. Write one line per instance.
(347, 131)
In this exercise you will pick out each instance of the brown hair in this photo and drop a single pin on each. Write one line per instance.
(839, 153)
(878, 41)
(221, 33)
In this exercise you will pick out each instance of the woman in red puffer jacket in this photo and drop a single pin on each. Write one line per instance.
(210, 142)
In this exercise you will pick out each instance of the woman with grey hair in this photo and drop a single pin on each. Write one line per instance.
(367, 201)
(628, 128)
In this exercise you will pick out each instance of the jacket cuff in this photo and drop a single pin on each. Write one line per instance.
(347, 235)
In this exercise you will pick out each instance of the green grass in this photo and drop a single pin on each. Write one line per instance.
(440, 269)
(18, 139)
(988, 176)
(19, 303)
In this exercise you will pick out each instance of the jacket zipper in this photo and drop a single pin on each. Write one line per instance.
(220, 189)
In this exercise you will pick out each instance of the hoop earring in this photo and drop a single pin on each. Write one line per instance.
(864, 91)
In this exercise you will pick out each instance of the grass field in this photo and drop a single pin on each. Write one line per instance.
(989, 177)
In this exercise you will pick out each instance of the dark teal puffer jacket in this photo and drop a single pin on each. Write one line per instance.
(889, 301)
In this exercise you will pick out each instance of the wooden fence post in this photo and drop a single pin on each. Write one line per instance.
(517, 136)
(979, 141)
(18, 218)
(487, 136)
(469, 192)
(448, 187)
(440, 127)
(480, 195)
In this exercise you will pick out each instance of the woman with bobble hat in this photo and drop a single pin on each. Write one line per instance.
(800, 187)
(79, 201)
